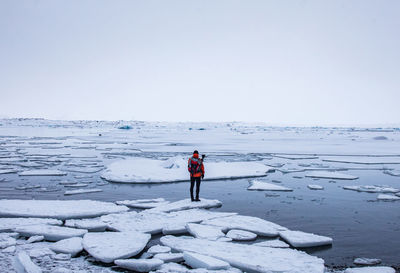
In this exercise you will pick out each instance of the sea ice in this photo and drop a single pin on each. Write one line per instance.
(144, 170)
(170, 257)
(369, 160)
(187, 204)
(174, 229)
(392, 173)
(139, 265)
(8, 224)
(249, 258)
(92, 225)
(76, 185)
(7, 241)
(388, 197)
(303, 239)
(158, 249)
(205, 231)
(80, 191)
(253, 224)
(69, 246)
(315, 187)
(143, 203)
(34, 239)
(295, 157)
(110, 246)
(264, 186)
(371, 269)
(367, 261)
(272, 243)
(7, 171)
(42, 173)
(372, 189)
(59, 209)
(241, 235)
(50, 233)
(23, 263)
(196, 260)
(331, 175)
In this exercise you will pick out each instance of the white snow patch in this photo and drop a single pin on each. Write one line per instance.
(264, 186)
(42, 173)
(196, 260)
(331, 175)
(68, 246)
(363, 160)
(272, 243)
(205, 231)
(315, 187)
(158, 249)
(372, 189)
(92, 225)
(371, 269)
(34, 239)
(367, 261)
(187, 204)
(388, 197)
(241, 235)
(143, 203)
(50, 233)
(304, 239)
(80, 191)
(110, 246)
(139, 265)
(7, 241)
(170, 257)
(9, 224)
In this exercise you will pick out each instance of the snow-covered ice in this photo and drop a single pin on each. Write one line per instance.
(69, 246)
(174, 229)
(92, 225)
(144, 170)
(170, 257)
(34, 239)
(249, 223)
(196, 260)
(50, 233)
(367, 261)
(388, 197)
(392, 173)
(369, 160)
(23, 263)
(304, 239)
(331, 175)
(110, 246)
(139, 265)
(7, 241)
(264, 186)
(158, 249)
(249, 258)
(80, 191)
(241, 235)
(272, 243)
(8, 224)
(143, 203)
(371, 269)
(205, 231)
(59, 209)
(372, 189)
(42, 173)
(187, 204)
(315, 187)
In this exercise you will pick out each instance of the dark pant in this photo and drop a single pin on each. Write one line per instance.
(197, 180)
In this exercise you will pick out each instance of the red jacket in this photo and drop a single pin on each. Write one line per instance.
(195, 166)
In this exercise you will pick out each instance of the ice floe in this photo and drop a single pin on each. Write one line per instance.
(368, 160)
(187, 204)
(331, 175)
(388, 197)
(392, 173)
(205, 231)
(247, 257)
(272, 243)
(241, 235)
(144, 170)
(249, 223)
(264, 186)
(42, 173)
(70, 246)
(8, 224)
(143, 203)
(158, 249)
(196, 260)
(23, 263)
(372, 189)
(170, 257)
(7, 241)
(371, 269)
(367, 261)
(110, 246)
(80, 191)
(34, 239)
(304, 239)
(92, 225)
(315, 187)
(50, 233)
(139, 265)
(59, 209)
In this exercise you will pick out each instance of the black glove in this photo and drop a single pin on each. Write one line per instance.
(202, 176)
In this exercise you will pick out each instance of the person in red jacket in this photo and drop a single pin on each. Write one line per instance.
(196, 170)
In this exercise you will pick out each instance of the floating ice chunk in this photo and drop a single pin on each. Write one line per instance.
(59, 209)
(7, 241)
(363, 160)
(143, 170)
(170, 257)
(187, 204)
(8, 224)
(272, 243)
(62, 257)
(367, 261)
(139, 265)
(392, 173)
(174, 229)
(158, 249)
(10, 249)
(315, 187)
(295, 157)
(23, 263)
(249, 258)
(40, 252)
(388, 197)
(241, 235)
(371, 269)
(92, 225)
(205, 231)
(253, 224)
(196, 260)
(68, 183)
(11, 234)
(264, 186)
(110, 246)
(304, 239)
(42, 173)
(76, 185)
(372, 189)
(34, 239)
(143, 204)
(80, 191)
(171, 268)
(50, 233)
(7, 171)
(331, 175)
(70, 246)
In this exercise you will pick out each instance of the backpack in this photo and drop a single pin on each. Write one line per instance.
(194, 165)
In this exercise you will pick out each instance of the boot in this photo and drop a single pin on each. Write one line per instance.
(197, 199)
(192, 198)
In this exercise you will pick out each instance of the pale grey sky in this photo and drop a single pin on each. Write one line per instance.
(280, 62)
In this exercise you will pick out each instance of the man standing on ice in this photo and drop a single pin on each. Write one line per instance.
(196, 170)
